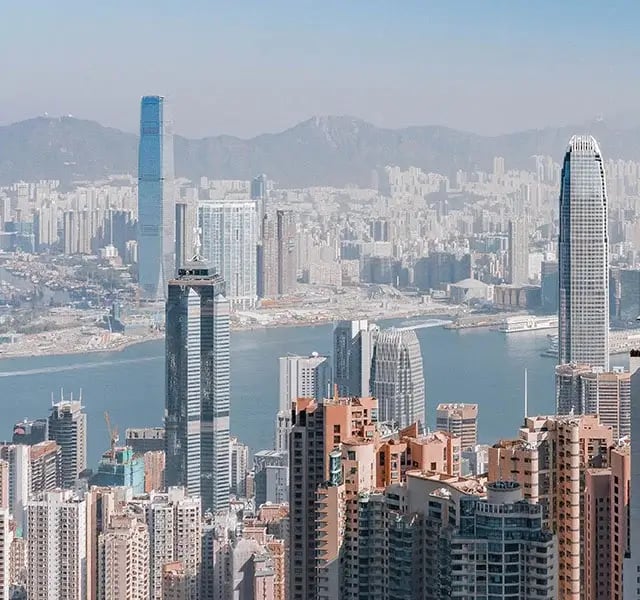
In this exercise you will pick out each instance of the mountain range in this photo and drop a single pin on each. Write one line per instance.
(331, 150)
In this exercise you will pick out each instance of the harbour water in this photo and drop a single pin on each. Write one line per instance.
(474, 365)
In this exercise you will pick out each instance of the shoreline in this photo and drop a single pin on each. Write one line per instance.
(7, 352)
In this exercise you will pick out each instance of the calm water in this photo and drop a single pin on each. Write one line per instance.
(460, 366)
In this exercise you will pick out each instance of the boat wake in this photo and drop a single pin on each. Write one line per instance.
(78, 366)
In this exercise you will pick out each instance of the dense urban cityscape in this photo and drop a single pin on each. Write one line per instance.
(348, 360)
(360, 496)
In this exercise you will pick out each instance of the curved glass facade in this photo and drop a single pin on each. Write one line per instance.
(583, 317)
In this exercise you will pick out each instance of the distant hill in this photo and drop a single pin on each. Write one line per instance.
(319, 151)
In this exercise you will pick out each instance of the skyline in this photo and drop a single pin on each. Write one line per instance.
(258, 68)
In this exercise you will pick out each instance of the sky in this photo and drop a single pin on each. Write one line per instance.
(245, 67)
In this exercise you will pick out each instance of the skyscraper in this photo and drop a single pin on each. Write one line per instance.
(229, 238)
(518, 252)
(397, 378)
(68, 428)
(583, 317)
(352, 353)
(277, 255)
(198, 384)
(300, 377)
(156, 200)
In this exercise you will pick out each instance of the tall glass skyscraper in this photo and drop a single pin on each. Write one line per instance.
(397, 377)
(156, 199)
(198, 384)
(352, 353)
(583, 314)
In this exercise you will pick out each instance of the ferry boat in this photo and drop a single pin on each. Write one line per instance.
(552, 350)
(528, 323)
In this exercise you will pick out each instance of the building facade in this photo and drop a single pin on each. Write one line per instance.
(156, 199)
(68, 429)
(229, 238)
(518, 252)
(460, 420)
(277, 269)
(353, 343)
(198, 385)
(583, 316)
(397, 377)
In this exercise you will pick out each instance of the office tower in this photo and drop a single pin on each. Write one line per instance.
(57, 546)
(460, 420)
(145, 439)
(259, 187)
(632, 559)
(277, 270)
(300, 377)
(518, 252)
(124, 559)
(608, 395)
(271, 469)
(352, 354)
(559, 450)
(229, 238)
(198, 386)
(569, 388)
(30, 432)
(397, 378)
(439, 269)
(18, 470)
(4, 484)
(156, 199)
(629, 309)
(583, 316)
(175, 532)
(120, 467)
(68, 428)
(6, 539)
(45, 463)
(316, 430)
(238, 467)
(581, 389)
(259, 195)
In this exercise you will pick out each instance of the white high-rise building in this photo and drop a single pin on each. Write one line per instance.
(57, 546)
(583, 314)
(300, 377)
(352, 353)
(175, 532)
(229, 244)
(6, 537)
(17, 457)
(397, 377)
(124, 560)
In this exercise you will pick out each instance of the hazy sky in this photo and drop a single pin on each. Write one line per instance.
(244, 67)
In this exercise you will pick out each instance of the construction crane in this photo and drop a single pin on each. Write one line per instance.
(113, 435)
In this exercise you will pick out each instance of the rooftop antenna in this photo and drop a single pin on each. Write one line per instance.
(526, 395)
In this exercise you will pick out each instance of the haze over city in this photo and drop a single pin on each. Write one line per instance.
(388, 351)
(251, 67)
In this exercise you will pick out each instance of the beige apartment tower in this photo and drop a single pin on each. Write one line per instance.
(460, 420)
(549, 460)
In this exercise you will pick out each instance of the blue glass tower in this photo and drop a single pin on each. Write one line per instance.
(156, 200)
